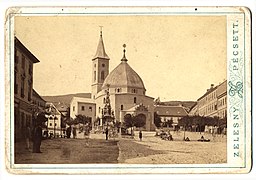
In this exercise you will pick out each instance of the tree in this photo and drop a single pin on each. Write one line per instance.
(128, 121)
(82, 119)
(140, 120)
(184, 121)
(131, 121)
(157, 120)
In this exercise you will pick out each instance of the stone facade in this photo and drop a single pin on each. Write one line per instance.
(23, 88)
(213, 102)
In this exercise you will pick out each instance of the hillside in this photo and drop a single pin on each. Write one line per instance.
(65, 98)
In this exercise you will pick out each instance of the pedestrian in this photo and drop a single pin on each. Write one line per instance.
(27, 135)
(140, 135)
(37, 138)
(106, 132)
(74, 132)
(68, 132)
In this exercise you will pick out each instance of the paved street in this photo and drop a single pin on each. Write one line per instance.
(151, 150)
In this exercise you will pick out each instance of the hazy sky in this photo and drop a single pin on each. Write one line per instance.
(177, 57)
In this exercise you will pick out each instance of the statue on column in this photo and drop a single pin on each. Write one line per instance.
(107, 106)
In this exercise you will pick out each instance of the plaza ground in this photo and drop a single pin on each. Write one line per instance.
(151, 150)
(154, 150)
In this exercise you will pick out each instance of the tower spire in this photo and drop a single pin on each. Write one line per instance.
(101, 30)
(124, 58)
(100, 53)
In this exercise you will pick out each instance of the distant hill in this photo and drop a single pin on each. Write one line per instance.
(65, 99)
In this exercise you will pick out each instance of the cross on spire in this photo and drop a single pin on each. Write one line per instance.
(101, 30)
(124, 58)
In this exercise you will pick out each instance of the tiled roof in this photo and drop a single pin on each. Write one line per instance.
(123, 76)
(170, 111)
(207, 92)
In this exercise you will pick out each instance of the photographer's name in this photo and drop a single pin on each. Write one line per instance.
(236, 54)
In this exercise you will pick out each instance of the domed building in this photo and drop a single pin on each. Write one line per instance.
(126, 90)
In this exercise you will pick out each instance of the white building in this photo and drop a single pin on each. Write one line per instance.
(83, 106)
(54, 120)
(126, 88)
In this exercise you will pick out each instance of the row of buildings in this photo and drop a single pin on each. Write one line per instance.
(213, 103)
(122, 89)
(27, 102)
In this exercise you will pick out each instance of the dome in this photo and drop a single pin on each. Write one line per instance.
(123, 76)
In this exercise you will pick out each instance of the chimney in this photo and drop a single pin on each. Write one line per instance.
(212, 85)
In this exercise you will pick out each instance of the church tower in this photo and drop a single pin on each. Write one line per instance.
(100, 67)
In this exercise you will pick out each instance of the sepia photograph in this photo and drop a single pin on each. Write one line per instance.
(127, 89)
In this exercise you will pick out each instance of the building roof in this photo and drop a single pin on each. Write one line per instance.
(66, 99)
(175, 111)
(208, 92)
(62, 107)
(101, 53)
(51, 109)
(25, 50)
(123, 76)
(36, 95)
(83, 100)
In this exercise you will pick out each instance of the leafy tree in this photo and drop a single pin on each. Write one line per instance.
(140, 120)
(82, 119)
(130, 121)
(157, 120)
(200, 122)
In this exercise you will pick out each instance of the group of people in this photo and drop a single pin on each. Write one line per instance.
(166, 135)
(35, 135)
(69, 129)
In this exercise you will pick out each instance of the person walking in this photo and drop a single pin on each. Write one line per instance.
(37, 138)
(69, 132)
(27, 136)
(74, 132)
(140, 135)
(106, 132)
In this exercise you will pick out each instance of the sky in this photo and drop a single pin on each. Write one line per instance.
(177, 57)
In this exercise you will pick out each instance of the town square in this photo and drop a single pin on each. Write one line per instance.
(132, 96)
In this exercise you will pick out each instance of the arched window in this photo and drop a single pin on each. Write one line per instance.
(104, 100)
(134, 100)
(103, 65)
(122, 107)
(118, 90)
(102, 75)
